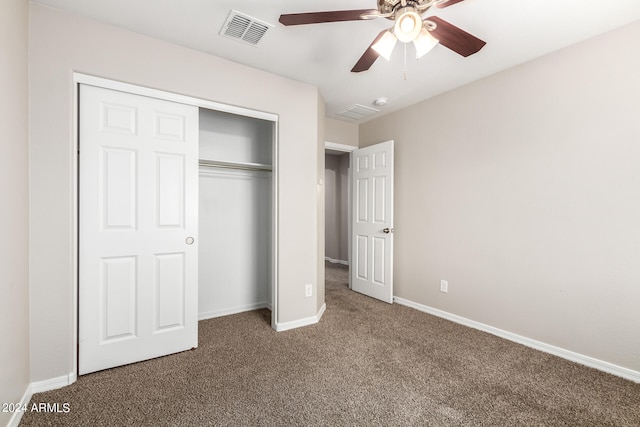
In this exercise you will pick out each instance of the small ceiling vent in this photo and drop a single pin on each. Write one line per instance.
(244, 28)
(358, 112)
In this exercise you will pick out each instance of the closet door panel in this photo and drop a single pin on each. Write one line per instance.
(169, 126)
(170, 193)
(118, 189)
(118, 283)
(169, 292)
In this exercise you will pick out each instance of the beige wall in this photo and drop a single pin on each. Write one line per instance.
(62, 43)
(14, 213)
(523, 191)
(340, 132)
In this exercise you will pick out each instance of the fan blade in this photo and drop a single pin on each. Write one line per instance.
(454, 38)
(448, 3)
(320, 17)
(368, 57)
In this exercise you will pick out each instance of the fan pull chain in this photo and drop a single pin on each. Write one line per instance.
(405, 61)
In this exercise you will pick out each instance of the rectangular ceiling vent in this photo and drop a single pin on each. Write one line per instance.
(244, 28)
(358, 112)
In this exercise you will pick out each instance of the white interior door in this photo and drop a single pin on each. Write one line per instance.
(372, 221)
(138, 220)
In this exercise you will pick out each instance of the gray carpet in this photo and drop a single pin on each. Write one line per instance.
(366, 363)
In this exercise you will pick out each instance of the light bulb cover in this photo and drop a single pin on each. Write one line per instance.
(385, 45)
(424, 43)
(408, 24)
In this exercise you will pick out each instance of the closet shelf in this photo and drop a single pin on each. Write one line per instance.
(235, 165)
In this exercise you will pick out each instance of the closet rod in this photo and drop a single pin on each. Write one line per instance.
(233, 165)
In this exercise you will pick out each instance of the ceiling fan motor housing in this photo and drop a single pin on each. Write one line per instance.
(390, 6)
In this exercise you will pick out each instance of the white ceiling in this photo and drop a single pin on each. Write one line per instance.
(516, 31)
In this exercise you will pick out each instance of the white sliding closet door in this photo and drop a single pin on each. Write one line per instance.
(138, 248)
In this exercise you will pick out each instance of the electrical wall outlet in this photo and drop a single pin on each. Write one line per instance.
(444, 286)
(308, 290)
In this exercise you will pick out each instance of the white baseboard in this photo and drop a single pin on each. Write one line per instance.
(233, 310)
(336, 261)
(39, 387)
(591, 362)
(321, 312)
(17, 416)
(53, 383)
(285, 326)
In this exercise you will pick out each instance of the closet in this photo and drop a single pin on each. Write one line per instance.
(235, 213)
(175, 219)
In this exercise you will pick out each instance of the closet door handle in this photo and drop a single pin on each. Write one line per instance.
(190, 240)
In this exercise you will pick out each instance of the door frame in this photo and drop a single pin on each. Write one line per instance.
(346, 149)
(86, 79)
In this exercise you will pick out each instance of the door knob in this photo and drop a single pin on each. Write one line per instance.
(387, 230)
(190, 240)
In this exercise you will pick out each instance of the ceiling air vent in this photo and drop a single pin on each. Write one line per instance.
(358, 112)
(244, 28)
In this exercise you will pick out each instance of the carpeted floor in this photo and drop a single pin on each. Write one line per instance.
(366, 363)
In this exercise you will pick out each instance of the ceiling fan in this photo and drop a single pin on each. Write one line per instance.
(409, 27)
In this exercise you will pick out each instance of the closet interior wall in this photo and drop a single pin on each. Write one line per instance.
(235, 214)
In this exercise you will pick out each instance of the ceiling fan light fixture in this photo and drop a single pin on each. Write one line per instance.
(424, 43)
(408, 24)
(385, 45)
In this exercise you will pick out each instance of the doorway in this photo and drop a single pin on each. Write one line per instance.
(369, 218)
(337, 177)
